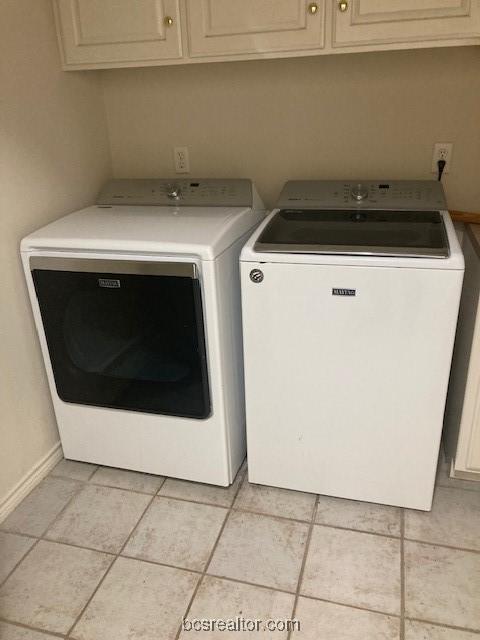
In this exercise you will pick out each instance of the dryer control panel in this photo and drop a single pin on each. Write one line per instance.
(189, 192)
(396, 195)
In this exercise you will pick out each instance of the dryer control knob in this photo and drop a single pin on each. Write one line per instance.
(173, 192)
(359, 192)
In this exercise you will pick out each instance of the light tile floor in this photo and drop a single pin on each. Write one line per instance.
(104, 554)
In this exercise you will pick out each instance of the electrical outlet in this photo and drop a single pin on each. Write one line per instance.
(442, 151)
(180, 160)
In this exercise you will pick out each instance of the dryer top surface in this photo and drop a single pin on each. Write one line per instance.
(205, 232)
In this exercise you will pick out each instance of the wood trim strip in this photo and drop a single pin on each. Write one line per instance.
(468, 217)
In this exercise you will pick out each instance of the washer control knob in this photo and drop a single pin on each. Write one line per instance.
(359, 192)
(256, 275)
(173, 191)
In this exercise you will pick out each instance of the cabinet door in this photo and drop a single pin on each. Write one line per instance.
(117, 33)
(370, 22)
(229, 27)
(465, 377)
(473, 461)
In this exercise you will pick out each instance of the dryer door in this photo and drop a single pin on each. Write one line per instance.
(125, 334)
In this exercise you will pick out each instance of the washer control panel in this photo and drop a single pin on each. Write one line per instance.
(367, 194)
(185, 192)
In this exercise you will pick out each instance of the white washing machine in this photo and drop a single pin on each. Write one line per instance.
(137, 305)
(350, 296)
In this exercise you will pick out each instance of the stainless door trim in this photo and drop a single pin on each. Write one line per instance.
(94, 265)
(401, 252)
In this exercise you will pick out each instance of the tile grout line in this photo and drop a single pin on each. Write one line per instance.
(23, 535)
(250, 584)
(114, 559)
(76, 493)
(217, 540)
(443, 625)
(338, 528)
(157, 563)
(304, 562)
(19, 562)
(135, 491)
(97, 467)
(442, 546)
(82, 611)
(192, 501)
(356, 607)
(22, 625)
(320, 524)
(78, 546)
(91, 482)
(402, 574)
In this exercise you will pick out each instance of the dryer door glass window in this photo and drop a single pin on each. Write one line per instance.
(132, 340)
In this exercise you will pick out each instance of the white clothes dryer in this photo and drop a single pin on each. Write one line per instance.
(137, 306)
(350, 296)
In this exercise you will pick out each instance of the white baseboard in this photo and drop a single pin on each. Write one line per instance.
(30, 480)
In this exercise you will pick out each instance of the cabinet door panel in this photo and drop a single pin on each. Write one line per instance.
(389, 21)
(229, 27)
(462, 418)
(117, 31)
(473, 459)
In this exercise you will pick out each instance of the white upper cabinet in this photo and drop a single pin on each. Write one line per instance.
(385, 22)
(118, 33)
(233, 27)
(98, 34)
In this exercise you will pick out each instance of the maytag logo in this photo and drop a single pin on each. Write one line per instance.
(344, 292)
(109, 284)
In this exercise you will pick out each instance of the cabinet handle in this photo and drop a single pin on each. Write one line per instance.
(168, 21)
(343, 6)
(313, 8)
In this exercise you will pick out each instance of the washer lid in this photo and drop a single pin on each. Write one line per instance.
(355, 232)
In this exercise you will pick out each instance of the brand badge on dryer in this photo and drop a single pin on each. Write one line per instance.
(109, 283)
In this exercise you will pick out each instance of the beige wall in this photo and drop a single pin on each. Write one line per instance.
(372, 115)
(53, 156)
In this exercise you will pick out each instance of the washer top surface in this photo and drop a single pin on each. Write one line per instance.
(399, 223)
(391, 233)
(189, 224)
